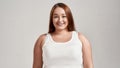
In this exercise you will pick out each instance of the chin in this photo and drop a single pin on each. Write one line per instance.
(61, 28)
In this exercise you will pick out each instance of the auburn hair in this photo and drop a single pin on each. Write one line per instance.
(71, 26)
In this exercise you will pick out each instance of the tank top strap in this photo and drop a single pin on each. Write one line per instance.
(75, 35)
(47, 38)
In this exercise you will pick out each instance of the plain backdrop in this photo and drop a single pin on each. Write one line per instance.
(23, 21)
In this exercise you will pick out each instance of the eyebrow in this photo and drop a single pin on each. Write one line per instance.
(57, 14)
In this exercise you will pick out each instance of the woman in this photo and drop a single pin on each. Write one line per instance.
(62, 46)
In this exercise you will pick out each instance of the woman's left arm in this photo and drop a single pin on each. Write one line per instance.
(87, 52)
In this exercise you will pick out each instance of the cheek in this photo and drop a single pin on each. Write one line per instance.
(65, 20)
(55, 20)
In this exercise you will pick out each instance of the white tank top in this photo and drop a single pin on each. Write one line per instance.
(62, 55)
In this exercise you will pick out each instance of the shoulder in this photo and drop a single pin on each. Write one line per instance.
(42, 36)
(81, 35)
(83, 39)
(40, 40)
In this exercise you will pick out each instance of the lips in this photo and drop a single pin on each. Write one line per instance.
(60, 23)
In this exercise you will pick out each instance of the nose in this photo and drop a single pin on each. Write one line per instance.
(60, 19)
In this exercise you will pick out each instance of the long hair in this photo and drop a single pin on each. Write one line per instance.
(71, 26)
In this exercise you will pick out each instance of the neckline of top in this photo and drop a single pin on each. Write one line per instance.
(61, 42)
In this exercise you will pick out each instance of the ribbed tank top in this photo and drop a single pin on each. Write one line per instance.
(62, 55)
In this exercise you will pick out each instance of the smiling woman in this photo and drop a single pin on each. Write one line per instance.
(59, 19)
(65, 12)
(62, 46)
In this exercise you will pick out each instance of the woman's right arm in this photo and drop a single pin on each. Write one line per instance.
(37, 54)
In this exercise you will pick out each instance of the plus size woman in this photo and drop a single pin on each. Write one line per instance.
(62, 46)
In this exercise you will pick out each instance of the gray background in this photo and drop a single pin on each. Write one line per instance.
(22, 21)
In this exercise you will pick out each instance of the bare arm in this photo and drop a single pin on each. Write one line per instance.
(37, 57)
(87, 52)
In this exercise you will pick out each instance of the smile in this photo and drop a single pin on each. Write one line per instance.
(60, 23)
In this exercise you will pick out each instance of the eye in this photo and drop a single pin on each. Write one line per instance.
(55, 16)
(63, 16)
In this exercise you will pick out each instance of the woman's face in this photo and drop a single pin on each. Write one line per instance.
(60, 21)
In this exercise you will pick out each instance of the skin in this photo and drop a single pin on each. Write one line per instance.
(60, 22)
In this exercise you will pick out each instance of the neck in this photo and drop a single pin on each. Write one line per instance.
(61, 32)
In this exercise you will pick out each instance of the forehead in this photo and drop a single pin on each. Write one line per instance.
(58, 11)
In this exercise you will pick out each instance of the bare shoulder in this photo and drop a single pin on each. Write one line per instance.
(83, 38)
(42, 36)
(40, 40)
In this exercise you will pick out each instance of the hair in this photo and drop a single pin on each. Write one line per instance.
(71, 26)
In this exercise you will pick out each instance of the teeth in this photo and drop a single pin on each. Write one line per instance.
(60, 24)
